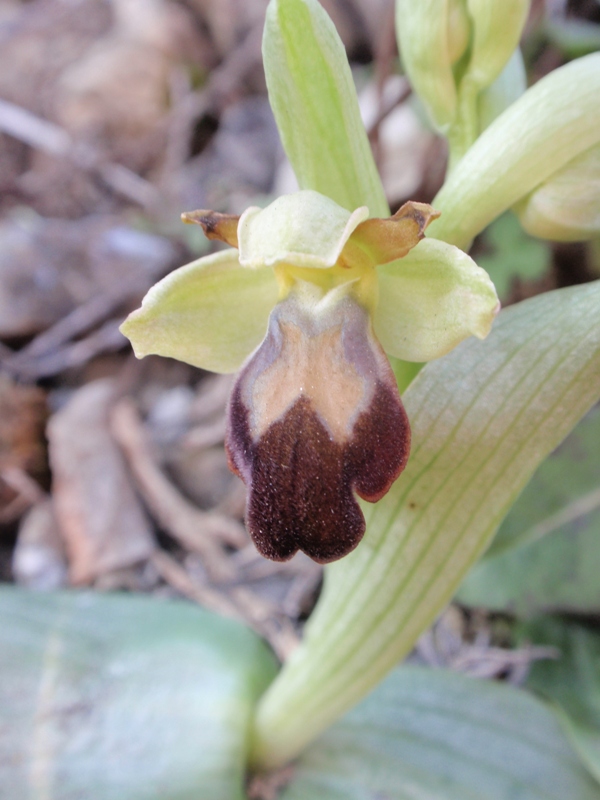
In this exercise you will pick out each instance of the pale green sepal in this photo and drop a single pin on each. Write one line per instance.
(552, 123)
(431, 300)
(305, 229)
(503, 92)
(422, 29)
(210, 313)
(314, 101)
(483, 419)
(567, 207)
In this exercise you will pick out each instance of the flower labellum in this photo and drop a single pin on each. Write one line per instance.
(314, 417)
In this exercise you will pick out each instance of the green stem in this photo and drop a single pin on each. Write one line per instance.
(465, 130)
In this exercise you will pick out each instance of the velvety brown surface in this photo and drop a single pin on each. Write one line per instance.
(300, 481)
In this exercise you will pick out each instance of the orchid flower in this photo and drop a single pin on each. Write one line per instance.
(304, 307)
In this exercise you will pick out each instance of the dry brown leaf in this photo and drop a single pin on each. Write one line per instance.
(22, 417)
(199, 531)
(99, 514)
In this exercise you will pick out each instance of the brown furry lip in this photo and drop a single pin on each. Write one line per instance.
(315, 417)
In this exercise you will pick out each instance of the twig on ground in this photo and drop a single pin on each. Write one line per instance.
(188, 107)
(268, 620)
(199, 531)
(105, 339)
(238, 603)
(54, 140)
(29, 492)
(402, 95)
(203, 436)
(176, 576)
(212, 397)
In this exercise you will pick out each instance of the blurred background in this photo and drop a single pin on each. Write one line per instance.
(116, 116)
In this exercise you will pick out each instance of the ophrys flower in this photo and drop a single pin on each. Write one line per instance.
(306, 297)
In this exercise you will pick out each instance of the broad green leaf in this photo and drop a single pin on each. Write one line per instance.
(510, 253)
(429, 734)
(483, 419)
(211, 313)
(546, 555)
(432, 299)
(548, 126)
(571, 682)
(123, 698)
(561, 493)
(312, 95)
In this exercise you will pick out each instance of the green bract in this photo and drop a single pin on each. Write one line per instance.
(214, 312)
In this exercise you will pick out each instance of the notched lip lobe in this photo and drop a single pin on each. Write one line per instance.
(303, 477)
(301, 490)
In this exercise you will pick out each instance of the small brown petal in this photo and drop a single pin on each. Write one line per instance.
(315, 416)
(385, 240)
(215, 225)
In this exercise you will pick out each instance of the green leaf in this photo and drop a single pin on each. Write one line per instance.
(123, 698)
(546, 555)
(571, 682)
(435, 735)
(483, 419)
(513, 254)
(312, 95)
(211, 313)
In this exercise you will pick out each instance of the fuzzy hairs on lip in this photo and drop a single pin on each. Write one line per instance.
(314, 417)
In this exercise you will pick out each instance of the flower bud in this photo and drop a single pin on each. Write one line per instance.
(452, 51)
(552, 123)
(458, 29)
(566, 207)
(497, 28)
(432, 35)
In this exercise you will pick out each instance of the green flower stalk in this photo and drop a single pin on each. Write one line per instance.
(315, 415)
